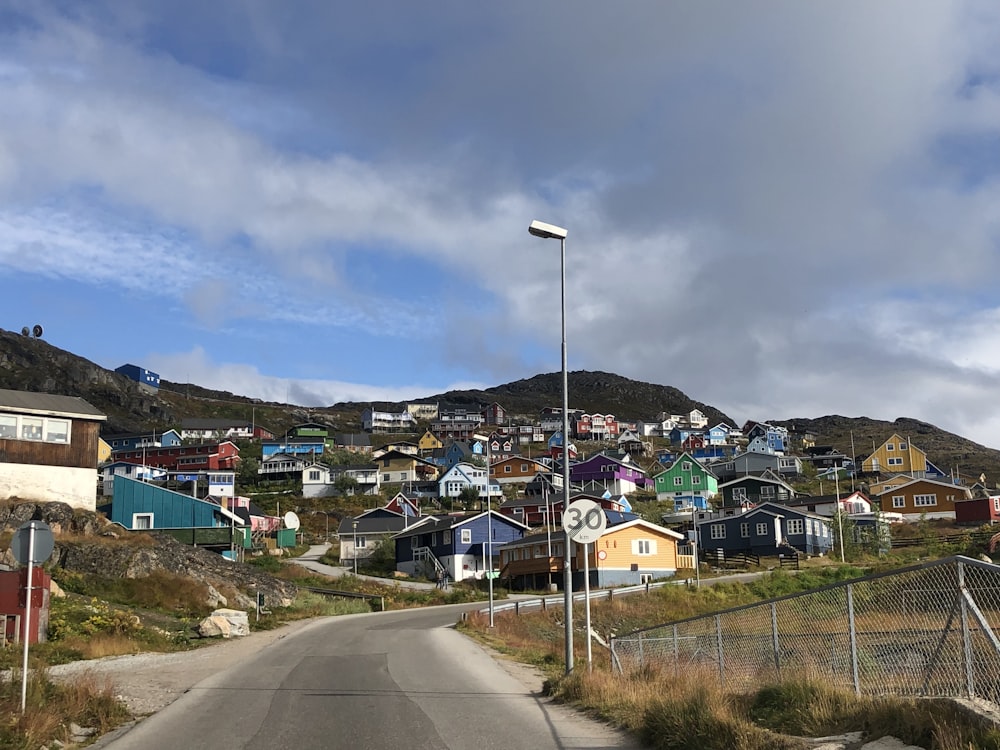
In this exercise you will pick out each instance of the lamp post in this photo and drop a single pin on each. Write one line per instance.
(489, 523)
(552, 232)
(355, 555)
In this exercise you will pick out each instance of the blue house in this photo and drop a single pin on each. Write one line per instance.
(140, 375)
(458, 546)
(293, 446)
(767, 530)
(132, 441)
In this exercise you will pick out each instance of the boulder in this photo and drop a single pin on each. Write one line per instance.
(228, 623)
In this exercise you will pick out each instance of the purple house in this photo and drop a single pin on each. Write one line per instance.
(619, 475)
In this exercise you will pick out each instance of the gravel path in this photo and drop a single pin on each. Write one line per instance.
(149, 682)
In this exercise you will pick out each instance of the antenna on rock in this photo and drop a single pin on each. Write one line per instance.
(25, 331)
(37, 331)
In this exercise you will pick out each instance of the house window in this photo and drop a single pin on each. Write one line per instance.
(524, 468)
(744, 530)
(718, 531)
(762, 529)
(902, 446)
(739, 493)
(402, 476)
(360, 543)
(695, 480)
(996, 504)
(56, 430)
(446, 537)
(385, 477)
(414, 542)
(642, 546)
(897, 461)
(767, 491)
(686, 466)
(924, 500)
(645, 578)
(314, 475)
(794, 526)
(142, 521)
(466, 536)
(898, 501)
(434, 539)
(678, 481)
(890, 446)
(8, 426)
(508, 469)
(31, 428)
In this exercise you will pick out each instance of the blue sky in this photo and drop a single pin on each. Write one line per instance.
(781, 208)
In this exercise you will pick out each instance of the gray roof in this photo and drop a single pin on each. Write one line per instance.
(212, 424)
(48, 404)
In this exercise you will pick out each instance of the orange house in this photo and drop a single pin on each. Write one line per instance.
(924, 497)
(627, 554)
(516, 469)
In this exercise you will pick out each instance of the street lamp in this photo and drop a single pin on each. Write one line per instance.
(552, 232)
(355, 555)
(489, 521)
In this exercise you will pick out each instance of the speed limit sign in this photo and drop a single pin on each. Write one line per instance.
(584, 521)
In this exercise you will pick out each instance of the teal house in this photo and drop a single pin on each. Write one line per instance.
(141, 506)
(687, 483)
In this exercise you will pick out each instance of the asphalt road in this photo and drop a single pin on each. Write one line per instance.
(402, 679)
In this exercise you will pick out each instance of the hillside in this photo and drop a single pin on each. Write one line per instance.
(35, 365)
(947, 451)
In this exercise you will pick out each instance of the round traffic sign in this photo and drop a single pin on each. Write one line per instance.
(584, 521)
(22, 547)
(602, 554)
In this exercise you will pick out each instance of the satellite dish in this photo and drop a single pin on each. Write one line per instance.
(291, 520)
(25, 331)
(37, 331)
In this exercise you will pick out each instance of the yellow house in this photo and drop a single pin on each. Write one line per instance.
(877, 488)
(627, 554)
(898, 456)
(103, 451)
(395, 466)
(429, 442)
(924, 497)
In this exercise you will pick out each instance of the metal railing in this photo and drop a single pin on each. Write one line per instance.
(519, 606)
(925, 630)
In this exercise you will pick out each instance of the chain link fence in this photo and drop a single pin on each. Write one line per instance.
(926, 630)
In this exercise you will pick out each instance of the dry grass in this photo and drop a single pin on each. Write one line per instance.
(102, 644)
(674, 708)
(51, 707)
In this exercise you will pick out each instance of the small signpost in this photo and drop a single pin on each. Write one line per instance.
(584, 522)
(32, 544)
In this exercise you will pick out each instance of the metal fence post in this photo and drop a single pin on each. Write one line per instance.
(640, 651)
(722, 658)
(970, 685)
(853, 633)
(775, 646)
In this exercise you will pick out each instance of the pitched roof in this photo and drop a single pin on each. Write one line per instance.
(49, 404)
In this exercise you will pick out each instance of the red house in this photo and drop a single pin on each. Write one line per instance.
(204, 457)
(978, 510)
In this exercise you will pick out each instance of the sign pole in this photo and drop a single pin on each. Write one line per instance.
(586, 589)
(27, 617)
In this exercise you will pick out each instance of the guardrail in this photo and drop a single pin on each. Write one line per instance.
(544, 602)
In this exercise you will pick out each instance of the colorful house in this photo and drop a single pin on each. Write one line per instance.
(767, 530)
(619, 476)
(686, 482)
(924, 498)
(631, 551)
(459, 546)
(898, 455)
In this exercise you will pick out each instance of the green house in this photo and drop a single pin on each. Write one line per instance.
(687, 483)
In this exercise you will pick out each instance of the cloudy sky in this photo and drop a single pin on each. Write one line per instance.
(781, 208)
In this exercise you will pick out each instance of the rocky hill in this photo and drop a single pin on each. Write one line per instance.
(35, 365)
(88, 543)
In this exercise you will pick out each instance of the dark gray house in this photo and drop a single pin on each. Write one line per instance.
(767, 530)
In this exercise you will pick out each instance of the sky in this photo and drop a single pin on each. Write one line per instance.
(783, 209)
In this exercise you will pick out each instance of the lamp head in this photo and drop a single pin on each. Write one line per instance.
(546, 231)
